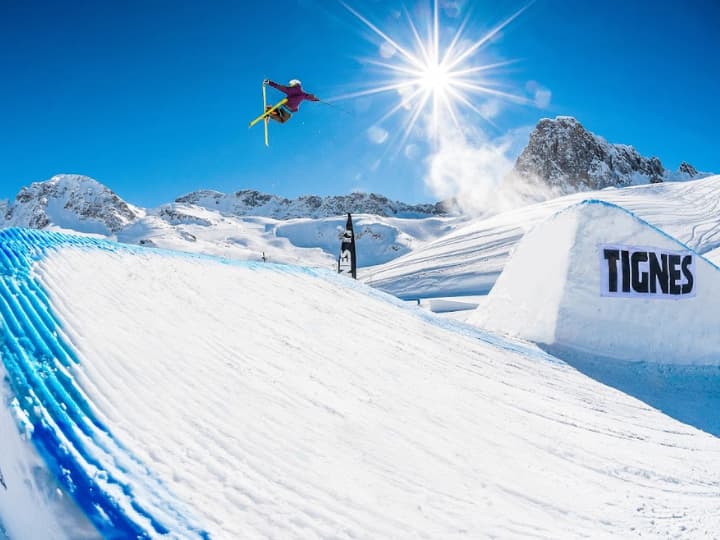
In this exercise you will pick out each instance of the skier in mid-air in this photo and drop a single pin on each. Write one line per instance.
(295, 95)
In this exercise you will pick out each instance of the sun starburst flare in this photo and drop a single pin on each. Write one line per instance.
(435, 78)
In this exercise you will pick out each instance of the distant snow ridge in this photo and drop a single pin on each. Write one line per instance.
(569, 158)
(250, 202)
(73, 202)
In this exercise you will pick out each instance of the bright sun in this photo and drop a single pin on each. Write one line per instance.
(433, 78)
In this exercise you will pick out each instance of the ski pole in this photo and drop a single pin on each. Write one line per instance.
(334, 107)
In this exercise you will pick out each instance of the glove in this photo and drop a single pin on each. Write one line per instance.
(266, 82)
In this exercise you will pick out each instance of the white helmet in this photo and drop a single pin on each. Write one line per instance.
(295, 82)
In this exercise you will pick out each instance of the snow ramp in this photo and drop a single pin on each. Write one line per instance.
(597, 279)
(151, 394)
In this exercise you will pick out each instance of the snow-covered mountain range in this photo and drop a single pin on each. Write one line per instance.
(249, 202)
(242, 225)
(73, 202)
(569, 158)
(248, 224)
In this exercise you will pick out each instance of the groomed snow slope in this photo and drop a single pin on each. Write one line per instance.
(193, 397)
(555, 291)
(469, 260)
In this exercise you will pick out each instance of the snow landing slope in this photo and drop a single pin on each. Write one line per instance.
(186, 397)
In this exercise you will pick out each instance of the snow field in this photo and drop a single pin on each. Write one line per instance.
(251, 400)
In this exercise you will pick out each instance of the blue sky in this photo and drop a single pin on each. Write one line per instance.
(152, 98)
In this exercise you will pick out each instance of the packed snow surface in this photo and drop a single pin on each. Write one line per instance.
(185, 396)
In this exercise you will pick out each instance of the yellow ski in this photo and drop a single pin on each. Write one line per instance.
(267, 119)
(268, 112)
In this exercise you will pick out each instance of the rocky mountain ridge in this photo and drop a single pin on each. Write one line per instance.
(243, 225)
(568, 158)
(81, 203)
(70, 201)
(251, 202)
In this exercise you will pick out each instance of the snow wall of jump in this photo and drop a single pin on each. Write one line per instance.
(596, 279)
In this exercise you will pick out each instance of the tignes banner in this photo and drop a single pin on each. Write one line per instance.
(646, 272)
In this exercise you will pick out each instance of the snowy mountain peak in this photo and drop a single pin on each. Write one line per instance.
(563, 154)
(70, 201)
(251, 202)
(686, 168)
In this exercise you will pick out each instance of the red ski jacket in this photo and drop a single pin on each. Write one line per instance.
(295, 95)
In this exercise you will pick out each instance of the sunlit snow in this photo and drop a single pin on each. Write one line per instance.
(154, 393)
